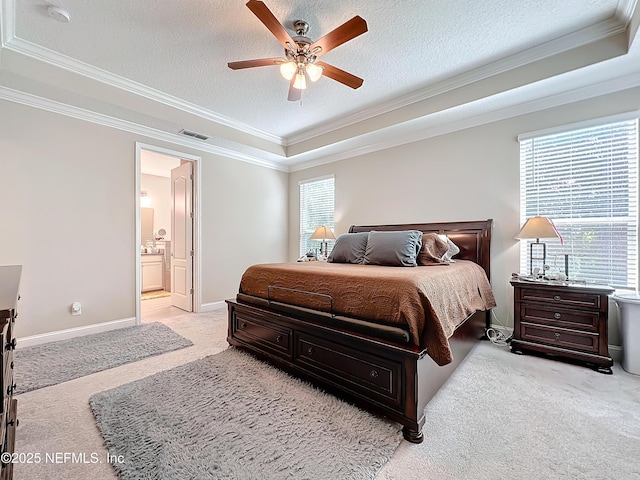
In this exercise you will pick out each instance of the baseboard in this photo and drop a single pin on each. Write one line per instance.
(210, 307)
(615, 351)
(74, 332)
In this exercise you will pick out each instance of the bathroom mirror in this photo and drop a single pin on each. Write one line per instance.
(146, 221)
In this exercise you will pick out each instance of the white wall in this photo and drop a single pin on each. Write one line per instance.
(471, 174)
(67, 214)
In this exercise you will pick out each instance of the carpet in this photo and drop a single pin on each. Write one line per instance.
(230, 416)
(503, 416)
(56, 362)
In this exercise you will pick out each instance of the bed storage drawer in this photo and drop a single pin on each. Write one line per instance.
(376, 376)
(267, 335)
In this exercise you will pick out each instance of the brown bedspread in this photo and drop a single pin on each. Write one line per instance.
(430, 300)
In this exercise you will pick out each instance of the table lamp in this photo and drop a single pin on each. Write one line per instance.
(323, 234)
(538, 227)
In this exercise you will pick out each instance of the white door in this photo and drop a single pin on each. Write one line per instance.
(182, 237)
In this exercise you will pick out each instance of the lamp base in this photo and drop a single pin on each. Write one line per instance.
(542, 255)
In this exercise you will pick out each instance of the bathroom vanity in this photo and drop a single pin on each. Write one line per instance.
(152, 271)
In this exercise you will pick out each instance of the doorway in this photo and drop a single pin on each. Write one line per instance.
(167, 194)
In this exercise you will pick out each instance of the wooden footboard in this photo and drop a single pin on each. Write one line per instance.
(386, 378)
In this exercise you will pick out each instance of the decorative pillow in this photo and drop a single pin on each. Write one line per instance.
(453, 249)
(433, 249)
(399, 249)
(349, 248)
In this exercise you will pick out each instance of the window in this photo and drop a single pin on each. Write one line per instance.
(586, 181)
(316, 209)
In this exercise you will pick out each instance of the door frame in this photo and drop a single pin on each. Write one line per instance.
(197, 284)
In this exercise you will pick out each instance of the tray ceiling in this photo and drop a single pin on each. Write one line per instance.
(162, 65)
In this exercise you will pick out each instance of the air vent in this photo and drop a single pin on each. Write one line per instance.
(189, 133)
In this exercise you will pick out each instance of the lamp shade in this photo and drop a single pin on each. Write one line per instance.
(288, 70)
(538, 227)
(314, 71)
(323, 233)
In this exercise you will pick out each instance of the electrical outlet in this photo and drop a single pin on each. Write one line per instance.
(76, 308)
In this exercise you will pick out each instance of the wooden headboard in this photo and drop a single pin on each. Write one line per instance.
(473, 238)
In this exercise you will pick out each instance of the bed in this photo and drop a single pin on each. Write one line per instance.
(389, 367)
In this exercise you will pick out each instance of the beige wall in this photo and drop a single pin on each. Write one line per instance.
(67, 206)
(472, 174)
(67, 214)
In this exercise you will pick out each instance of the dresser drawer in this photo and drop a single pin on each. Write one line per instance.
(558, 317)
(560, 337)
(373, 375)
(559, 297)
(269, 336)
(9, 439)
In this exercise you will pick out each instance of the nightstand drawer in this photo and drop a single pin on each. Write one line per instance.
(558, 317)
(560, 337)
(557, 296)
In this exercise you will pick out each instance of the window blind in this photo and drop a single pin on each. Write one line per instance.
(316, 209)
(586, 181)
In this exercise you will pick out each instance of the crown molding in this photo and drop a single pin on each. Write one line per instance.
(579, 38)
(624, 11)
(37, 52)
(50, 57)
(413, 132)
(7, 21)
(105, 120)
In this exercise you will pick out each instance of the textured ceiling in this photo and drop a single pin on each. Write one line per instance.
(411, 53)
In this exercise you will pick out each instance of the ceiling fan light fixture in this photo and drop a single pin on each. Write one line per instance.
(288, 70)
(300, 82)
(314, 71)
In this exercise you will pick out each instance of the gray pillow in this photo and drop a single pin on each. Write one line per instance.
(349, 248)
(399, 249)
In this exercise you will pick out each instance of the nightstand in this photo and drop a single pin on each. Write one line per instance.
(566, 320)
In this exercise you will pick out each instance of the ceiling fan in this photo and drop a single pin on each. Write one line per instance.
(300, 63)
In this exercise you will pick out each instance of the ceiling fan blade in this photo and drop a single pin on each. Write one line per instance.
(260, 62)
(263, 13)
(294, 93)
(345, 32)
(340, 75)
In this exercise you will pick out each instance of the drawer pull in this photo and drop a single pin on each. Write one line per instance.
(243, 325)
(557, 297)
(11, 345)
(374, 374)
(557, 316)
(278, 338)
(557, 335)
(310, 351)
(10, 389)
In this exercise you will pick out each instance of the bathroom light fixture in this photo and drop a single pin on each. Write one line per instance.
(538, 227)
(145, 200)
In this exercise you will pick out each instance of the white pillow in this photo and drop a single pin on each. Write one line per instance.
(453, 249)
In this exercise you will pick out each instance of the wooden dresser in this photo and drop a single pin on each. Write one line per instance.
(566, 320)
(9, 285)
